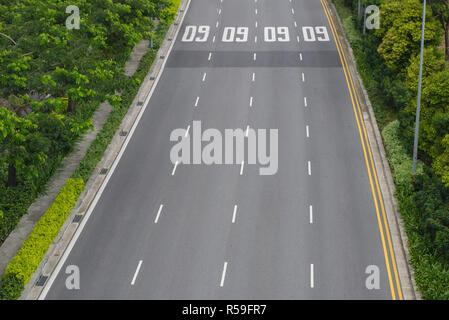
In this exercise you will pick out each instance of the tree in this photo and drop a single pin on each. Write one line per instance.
(71, 83)
(441, 164)
(433, 63)
(22, 146)
(401, 32)
(434, 123)
(440, 9)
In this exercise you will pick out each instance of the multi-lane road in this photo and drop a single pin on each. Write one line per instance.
(197, 231)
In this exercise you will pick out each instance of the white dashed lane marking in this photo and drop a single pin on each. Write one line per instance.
(234, 214)
(158, 213)
(312, 280)
(310, 214)
(223, 275)
(135, 273)
(174, 168)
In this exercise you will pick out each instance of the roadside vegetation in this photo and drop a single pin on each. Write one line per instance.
(388, 62)
(54, 81)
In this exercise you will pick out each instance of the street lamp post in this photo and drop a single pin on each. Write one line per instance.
(418, 104)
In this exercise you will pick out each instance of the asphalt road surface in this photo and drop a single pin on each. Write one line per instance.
(310, 231)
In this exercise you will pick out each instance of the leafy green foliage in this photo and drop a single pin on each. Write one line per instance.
(12, 283)
(401, 32)
(52, 81)
(423, 205)
(390, 74)
(440, 10)
(23, 147)
(22, 266)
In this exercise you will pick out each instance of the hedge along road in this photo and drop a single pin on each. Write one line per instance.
(311, 231)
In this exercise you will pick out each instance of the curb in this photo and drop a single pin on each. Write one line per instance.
(38, 281)
(395, 223)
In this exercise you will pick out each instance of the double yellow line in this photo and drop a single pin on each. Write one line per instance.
(377, 195)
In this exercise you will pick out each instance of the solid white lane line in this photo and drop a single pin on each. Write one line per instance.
(135, 273)
(254, 57)
(307, 131)
(241, 167)
(305, 101)
(251, 101)
(233, 215)
(296, 24)
(210, 55)
(174, 168)
(309, 165)
(204, 76)
(187, 131)
(303, 77)
(311, 214)
(158, 213)
(247, 130)
(223, 275)
(311, 276)
(254, 77)
(196, 101)
(213, 39)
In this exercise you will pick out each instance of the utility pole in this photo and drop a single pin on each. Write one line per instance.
(418, 104)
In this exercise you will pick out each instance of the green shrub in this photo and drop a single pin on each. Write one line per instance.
(24, 264)
(400, 161)
(423, 208)
(11, 287)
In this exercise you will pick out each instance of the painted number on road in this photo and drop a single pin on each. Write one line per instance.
(312, 34)
(231, 34)
(191, 32)
(271, 34)
(240, 34)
